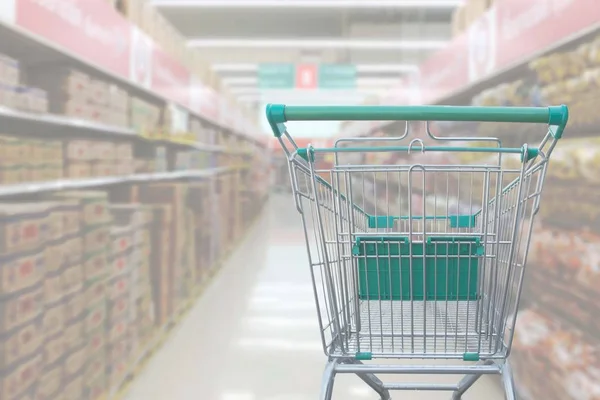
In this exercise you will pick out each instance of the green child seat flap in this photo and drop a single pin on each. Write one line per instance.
(442, 268)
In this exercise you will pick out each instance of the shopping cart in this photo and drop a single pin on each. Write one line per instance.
(441, 281)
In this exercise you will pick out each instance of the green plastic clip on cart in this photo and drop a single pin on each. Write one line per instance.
(416, 260)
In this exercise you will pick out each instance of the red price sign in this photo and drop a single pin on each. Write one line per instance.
(306, 76)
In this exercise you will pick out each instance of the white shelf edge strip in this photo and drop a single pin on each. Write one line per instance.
(113, 130)
(65, 121)
(73, 184)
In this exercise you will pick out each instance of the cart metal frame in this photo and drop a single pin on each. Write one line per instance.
(439, 283)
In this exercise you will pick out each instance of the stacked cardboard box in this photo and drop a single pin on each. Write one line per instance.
(25, 230)
(75, 94)
(27, 160)
(200, 200)
(173, 195)
(139, 313)
(87, 158)
(90, 328)
(161, 265)
(14, 94)
(119, 302)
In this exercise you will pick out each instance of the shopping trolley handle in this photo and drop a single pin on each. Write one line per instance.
(278, 114)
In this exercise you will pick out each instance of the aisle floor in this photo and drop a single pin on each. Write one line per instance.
(253, 335)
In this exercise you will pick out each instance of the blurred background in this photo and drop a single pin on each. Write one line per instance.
(149, 245)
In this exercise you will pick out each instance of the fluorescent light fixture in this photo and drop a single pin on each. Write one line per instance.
(370, 4)
(254, 91)
(251, 82)
(349, 44)
(241, 81)
(374, 81)
(386, 68)
(364, 68)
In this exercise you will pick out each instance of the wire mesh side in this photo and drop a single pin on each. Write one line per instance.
(339, 206)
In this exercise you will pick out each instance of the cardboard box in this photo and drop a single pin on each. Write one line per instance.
(117, 330)
(79, 170)
(95, 368)
(95, 318)
(75, 306)
(74, 388)
(13, 150)
(99, 92)
(95, 292)
(161, 264)
(54, 347)
(74, 334)
(21, 343)
(10, 71)
(29, 302)
(21, 378)
(50, 382)
(118, 286)
(121, 238)
(95, 342)
(95, 239)
(95, 266)
(94, 206)
(53, 288)
(21, 271)
(120, 264)
(53, 319)
(79, 150)
(104, 151)
(21, 226)
(72, 279)
(104, 169)
(74, 362)
(72, 250)
(124, 151)
(96, 389)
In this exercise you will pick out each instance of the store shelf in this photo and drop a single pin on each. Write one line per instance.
(66, 122)
(37, 49)
(78, 184)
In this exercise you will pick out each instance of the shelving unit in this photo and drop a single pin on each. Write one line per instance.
(118, 202)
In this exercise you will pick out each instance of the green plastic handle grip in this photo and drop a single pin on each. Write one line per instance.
(278, 114)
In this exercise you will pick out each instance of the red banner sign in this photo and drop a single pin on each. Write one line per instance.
(526, 27)
(169, 78)
(508, 33)
(91, 30)
(445, 72)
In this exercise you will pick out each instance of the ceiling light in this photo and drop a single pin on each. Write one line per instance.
(364, 68)
(389, 4)
(356, 44)
(241, 81)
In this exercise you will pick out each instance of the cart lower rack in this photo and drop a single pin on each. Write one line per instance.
(414, 259)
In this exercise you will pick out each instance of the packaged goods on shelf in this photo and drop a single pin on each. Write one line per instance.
(144, 116)
(27, 160)
(21, 379)
(570, 363)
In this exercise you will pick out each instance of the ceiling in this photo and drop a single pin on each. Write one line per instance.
(384, 39)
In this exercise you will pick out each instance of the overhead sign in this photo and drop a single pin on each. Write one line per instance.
(337, 76)
(276, 76)
(307, 76)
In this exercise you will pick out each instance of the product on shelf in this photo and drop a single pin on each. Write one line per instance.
(144, 117)
(570, 363)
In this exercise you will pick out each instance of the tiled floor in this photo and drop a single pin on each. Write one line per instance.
(253, 335)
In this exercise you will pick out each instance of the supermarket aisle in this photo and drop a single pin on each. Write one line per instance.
(253, 335)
